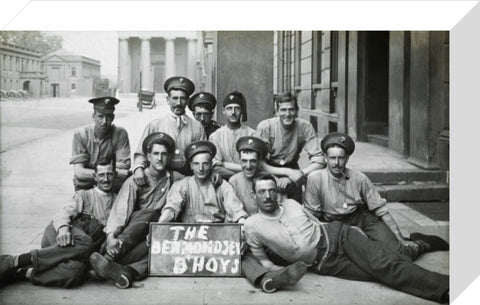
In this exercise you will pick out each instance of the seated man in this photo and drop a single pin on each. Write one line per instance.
(99, 141)
(202, 106)
(226, 160)
(286, 136)
(252, 151)
(335, 249)
(69, 239)
(339, 193)
(132, 211)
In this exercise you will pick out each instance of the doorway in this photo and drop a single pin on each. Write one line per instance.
(55, 90)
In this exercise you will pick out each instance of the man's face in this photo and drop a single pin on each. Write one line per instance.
(249, 163)
(104, 176)
(203, 115)
(201, 165)
(177, 100)
(158, 157)
(287, 112)
(103, 122)
(336, 161)
(266, 196)
(232, 112)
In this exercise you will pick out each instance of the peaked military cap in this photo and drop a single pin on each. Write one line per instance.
(104, 104)
(202, 98)
(158, 138)
(179, 83)
(236, 97)
(338, 138)
(200, 147)
(252, 143)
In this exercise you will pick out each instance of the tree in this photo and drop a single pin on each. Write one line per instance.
(34, 40)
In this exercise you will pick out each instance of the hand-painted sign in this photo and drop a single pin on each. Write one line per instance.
(179, 249)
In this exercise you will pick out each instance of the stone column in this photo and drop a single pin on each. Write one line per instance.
(145, 63)
(191, 58)
(123, 65)
(169, 57)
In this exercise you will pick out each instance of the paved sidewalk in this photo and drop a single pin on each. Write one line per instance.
(35, 182)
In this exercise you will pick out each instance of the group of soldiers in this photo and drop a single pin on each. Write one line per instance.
(323, 217)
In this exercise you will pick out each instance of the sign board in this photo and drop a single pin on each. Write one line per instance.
(179, 249)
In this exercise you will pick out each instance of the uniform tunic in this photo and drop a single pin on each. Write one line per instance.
(285, 146)
(220, 205)
(244, 191)
(292, 234)
(133, 197)
(211, 128)
(87, 149)
(93, 202)
(225, 139)
(330, 198)
(189, 131)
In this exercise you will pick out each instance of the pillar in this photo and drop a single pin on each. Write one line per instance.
(169, 57)
(191, 58)
(145, 64)
(123, 66)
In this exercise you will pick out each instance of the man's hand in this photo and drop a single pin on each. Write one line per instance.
(114, 246)
(296, 176)
(139, 177)
(283, 183)
(64, 237)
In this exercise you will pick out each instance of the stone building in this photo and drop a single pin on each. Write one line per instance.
(21, 69)
(390, 88)
(69, 75)
(158, 55)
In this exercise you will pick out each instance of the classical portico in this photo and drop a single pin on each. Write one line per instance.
(158, 56)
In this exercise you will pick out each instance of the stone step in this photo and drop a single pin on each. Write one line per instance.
(414, 192)
(378, 139)
(406, 176)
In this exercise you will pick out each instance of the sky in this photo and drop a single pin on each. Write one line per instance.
(99, 45)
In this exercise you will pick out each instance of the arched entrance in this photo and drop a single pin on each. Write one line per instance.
(26, 86)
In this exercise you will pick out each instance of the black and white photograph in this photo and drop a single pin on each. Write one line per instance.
(284, 165)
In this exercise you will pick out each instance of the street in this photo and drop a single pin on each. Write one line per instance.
(36, 180)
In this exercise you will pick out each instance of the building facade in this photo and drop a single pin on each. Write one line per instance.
(389, 88)
(158, 55)
(69, 75)
(21, 69)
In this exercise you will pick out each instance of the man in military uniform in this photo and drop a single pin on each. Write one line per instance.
(286, 136)
(226, 161)
(334, 248)
(252, 151)
(136, 206)
(69, 239)
(343, 194)
(183, 129)
(99, 141)
(202, 106)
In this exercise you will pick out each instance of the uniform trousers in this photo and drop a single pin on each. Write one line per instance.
(377, 230)
(134, 249)
(346, 252)
(66, 266)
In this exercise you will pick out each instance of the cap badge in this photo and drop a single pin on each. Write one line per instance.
(194, 147)
(160, 135)
(107, 100)
(181, 80)
(231, 97)
(342, 139)
(201, 95)
(250, 141)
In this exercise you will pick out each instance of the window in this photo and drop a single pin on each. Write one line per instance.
(298, 58)
(74, 87)
(317, 57)
(74, 71)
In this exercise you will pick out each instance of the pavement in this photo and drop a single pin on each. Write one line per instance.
(35, 181)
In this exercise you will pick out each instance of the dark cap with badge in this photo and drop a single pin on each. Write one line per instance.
(254, 144)
(179, 83)
(204, 98)
(338, 138)
(236, 97)
(105, 104)
(158, 138)
(200, 147)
